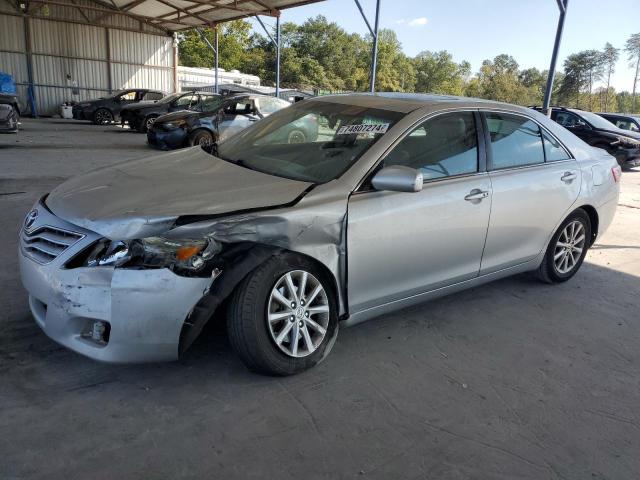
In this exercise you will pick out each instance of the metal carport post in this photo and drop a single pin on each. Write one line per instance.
(214, 49)
(276, 43)
(562, 6)
(374, 34)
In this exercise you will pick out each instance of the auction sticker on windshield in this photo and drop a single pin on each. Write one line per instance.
(351, 129)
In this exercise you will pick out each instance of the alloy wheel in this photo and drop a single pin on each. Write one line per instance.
(296, 136)
(569, 247)
(103, 117)
(150, 121)
(298, 313)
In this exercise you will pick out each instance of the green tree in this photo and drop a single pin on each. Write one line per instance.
(499, 80)
(234, 40)
(436, 72)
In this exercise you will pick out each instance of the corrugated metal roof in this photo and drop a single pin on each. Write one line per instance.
(176, 15)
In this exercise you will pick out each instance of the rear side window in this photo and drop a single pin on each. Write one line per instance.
(444, 146)
(150, 96)
(553, 151)
(515, 141)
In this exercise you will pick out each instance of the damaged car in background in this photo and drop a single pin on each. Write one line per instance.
(140, 116)
(9, 113)
(398, 199)
(223, 119)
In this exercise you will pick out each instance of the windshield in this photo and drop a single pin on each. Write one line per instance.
(597, 121)
(170, 98)
(312, 141)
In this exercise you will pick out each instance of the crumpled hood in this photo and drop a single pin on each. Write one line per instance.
(144, 197)
(178, 115)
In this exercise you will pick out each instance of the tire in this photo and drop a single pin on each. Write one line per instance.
(14, 119)
(143, 127)
(102, 116)
(200, 137)
(296, 136)
(255, 338)
(554, 270)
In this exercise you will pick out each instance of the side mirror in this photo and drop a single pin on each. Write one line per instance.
(398, 178)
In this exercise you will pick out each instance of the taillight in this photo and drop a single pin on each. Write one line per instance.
(617, 173)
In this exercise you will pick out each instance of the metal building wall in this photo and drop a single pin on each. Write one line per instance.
(73, 60)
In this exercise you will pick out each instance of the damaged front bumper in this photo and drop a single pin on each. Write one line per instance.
(137, 314)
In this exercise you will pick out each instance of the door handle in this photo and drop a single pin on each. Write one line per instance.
(476, 195)
(569, 177)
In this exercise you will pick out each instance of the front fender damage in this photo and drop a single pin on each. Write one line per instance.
(317, 231)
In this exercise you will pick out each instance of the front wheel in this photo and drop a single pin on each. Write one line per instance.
(567, 249)
(283, 316)
(146, 124)
(201, 137)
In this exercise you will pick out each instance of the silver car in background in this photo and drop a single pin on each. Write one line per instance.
(399, 199)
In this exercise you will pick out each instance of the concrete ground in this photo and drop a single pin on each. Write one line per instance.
(515, 379)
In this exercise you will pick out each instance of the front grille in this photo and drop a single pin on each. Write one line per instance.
(46, 243)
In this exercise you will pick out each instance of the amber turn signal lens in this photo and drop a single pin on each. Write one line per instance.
(185, 253)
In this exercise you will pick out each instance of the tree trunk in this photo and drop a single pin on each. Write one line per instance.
(590, 88)
(635, 83)
(606, 97)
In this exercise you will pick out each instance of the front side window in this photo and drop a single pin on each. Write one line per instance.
(313, 141)
(127, 97)
(444, 146)
(515, 141)
(185, 101)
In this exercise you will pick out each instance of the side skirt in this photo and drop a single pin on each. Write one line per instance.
(370, 313)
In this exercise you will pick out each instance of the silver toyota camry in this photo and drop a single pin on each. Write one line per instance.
(397, 200)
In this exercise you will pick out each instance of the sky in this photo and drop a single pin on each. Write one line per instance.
(475, 30)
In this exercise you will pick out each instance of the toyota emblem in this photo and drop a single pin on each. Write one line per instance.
(31, 218)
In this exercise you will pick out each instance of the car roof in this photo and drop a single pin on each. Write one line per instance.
(408, 102)
(623, 115)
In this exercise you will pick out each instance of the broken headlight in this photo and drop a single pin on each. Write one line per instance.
(154, 252)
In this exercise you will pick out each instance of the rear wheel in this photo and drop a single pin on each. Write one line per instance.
(283, 316)
(102, 116)
(567, 249)
(200, 137)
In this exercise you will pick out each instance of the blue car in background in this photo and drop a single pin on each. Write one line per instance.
(227, 117)
(9, 107)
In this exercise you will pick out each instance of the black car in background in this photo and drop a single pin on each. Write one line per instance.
(9, 113)
(601, 133)
(107, 109)
(140, 116)
(231, 115)
(623, 121)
